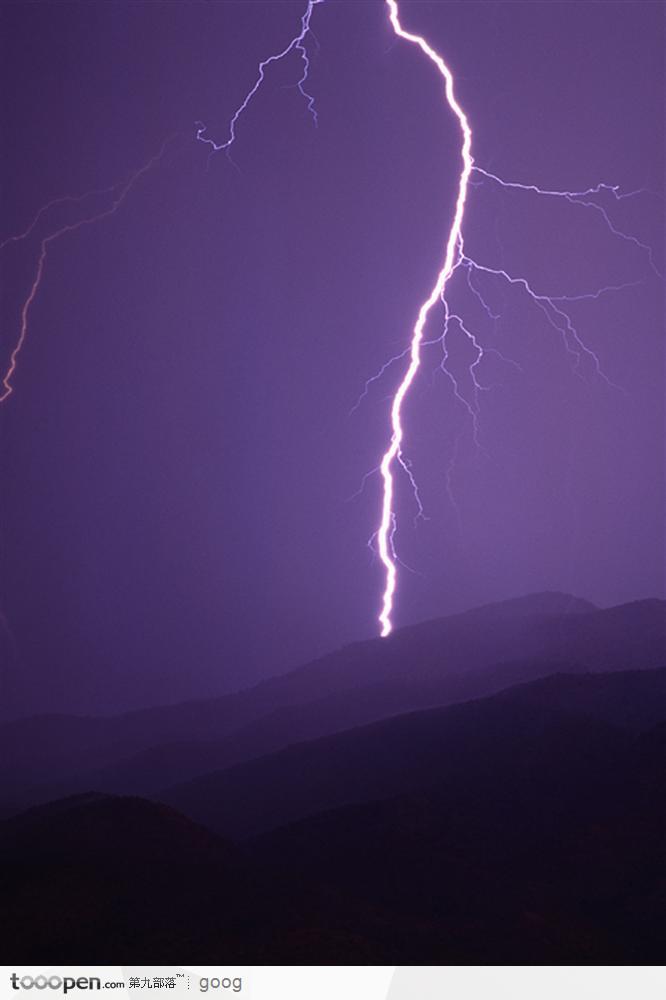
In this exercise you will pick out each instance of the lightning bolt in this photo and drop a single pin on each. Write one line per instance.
(119, 192)
(478, 276)
(554, 308)
(584, 199)
(297, 44)
(387, 521)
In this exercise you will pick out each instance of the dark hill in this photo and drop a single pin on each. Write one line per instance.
(584, 719)
(522, 867)
(525, 828)
(99, 876)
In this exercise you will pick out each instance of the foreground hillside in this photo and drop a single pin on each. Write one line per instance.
(527, 827)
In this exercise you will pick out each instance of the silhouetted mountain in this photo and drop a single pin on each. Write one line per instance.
(518, 729)
(524, 828)
(562, 865)
(98, 876)
(149, 770)
(435, 663)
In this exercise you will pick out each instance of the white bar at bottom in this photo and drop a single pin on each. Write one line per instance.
(344, 982)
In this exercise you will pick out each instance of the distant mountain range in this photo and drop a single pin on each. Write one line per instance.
(516, 732)
(487, 788)
(436, 663)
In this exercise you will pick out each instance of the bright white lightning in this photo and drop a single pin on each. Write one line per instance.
(387, 521)
(552, 306)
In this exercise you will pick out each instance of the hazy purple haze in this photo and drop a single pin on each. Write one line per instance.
(178, 454)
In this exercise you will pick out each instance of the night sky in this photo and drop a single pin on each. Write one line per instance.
(178, 455)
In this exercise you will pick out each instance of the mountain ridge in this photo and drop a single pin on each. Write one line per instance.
(528, 828)
(439, 662)
(393, 755)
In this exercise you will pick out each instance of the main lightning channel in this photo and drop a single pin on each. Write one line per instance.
(386, 528)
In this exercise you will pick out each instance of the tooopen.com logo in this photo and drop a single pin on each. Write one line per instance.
(64, 983)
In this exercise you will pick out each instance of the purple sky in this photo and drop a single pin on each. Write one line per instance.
(178, 454)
